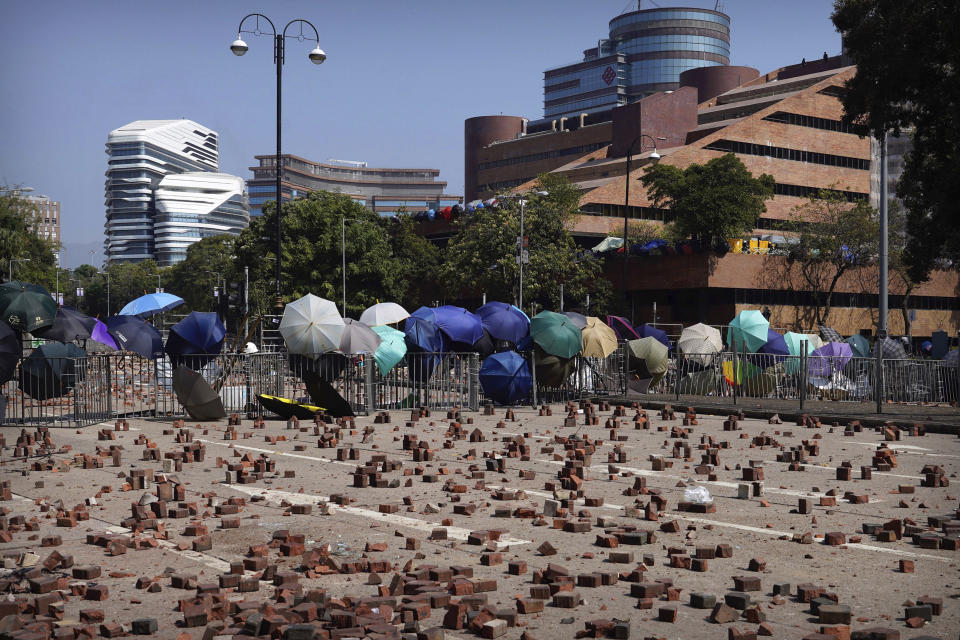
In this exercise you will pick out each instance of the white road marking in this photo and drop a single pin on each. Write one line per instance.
(276, 496)
(821, 467)
(908, 448)
(275, 452)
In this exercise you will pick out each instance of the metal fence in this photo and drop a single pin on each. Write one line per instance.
(590, 377)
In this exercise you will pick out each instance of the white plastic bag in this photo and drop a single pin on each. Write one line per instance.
(697, 495)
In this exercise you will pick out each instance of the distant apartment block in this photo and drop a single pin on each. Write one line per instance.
(46, 222)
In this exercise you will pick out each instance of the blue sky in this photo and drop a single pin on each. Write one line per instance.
(399, 80)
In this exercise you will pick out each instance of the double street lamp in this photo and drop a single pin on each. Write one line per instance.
(626, 202)
(317, 56)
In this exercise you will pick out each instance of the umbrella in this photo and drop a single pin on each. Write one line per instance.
(624, 329)
(556, 334)
(358, 338)
(422, 331)
(9, 352)
(829, 334)
(458, 324)
(26, 306)
(383, 313)
(391, 350)
(134, 334)
(51, 370)
(102, 335)
(323, 394)
(700, 342)
(599, 340)
(698, 383)
(311, 326)
(150, 305)
(775, 345)
(578, 318)
(551, 370)
(892, 349)
(286, 408)
(68, 325)
(195, 340)
(484, 346)
(951, 359)
(505, 377)
(198, 398)
(750, 328)
(795, 342)
(737, 375)
(327, 366)
(504, 321)
(829, 358)
(647, 359)
(647, 331)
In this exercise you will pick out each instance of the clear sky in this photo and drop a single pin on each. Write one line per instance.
(400, 78)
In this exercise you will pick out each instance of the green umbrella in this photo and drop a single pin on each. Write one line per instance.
(551, 370)
(392, 348)
(26, 306)
(556, 334)
(795, 345)
(698, 383)
(749, 327)
(648, 359)
(859, 345)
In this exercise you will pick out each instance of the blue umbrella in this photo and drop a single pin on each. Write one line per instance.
(623, 328)
(646, 331)
(134, 334)
(199, 336)
(504, 321)
(421, 330)
(458, 324)
(505, 377)
(151, 304)
(774, 350)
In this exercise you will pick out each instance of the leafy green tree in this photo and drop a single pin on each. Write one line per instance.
(33, 256)
(482, 257)
(907, 80)
(416, 261)
(711, 202)
(207, 267)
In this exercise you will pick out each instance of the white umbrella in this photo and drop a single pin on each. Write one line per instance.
(699, 342)
(358, 338)
(383, 313)
(311, 326)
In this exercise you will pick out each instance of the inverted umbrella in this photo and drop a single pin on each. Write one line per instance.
(102, 335)
(699, 342)
(748, 328)
(68, 325)
(647, 331)
(383, 313)
(647, 359)
(134, 334)
(578, 318)
(737, 374)
(624, 329)
(556, 334)
(829, 334)
(10, 351)
(599, 340)
(458, 324)
(859, 345)
(195, 340)
(52, 370)
(198, 398)
(505, 377)
(504, 321)
(26, 306)
(551, 370)
(358, 338)
(392, 348)
(151, 304)
(830, 358)
(422, 331)
(311, 326)
(323, 394)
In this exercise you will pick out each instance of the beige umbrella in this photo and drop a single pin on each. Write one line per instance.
(599, 340)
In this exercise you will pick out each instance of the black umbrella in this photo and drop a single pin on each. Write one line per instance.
(484, 345)
(324, 395)
(26, 306)
(197, 397)
(52, 370)
(9, 351)
(134, 334)
(69, 325)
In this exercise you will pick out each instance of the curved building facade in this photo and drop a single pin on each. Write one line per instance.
(645, 52)
(196, 205)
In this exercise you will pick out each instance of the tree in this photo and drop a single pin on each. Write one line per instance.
(416, 261)
(711, 202)
(907, 79)
(34, 256)
(482, 257)
(208, 266)
(835, 237)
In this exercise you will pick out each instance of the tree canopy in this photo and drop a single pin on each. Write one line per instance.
(907, 64)
(710, 202)
(33, 256)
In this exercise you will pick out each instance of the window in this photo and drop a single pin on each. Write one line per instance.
(781, 153)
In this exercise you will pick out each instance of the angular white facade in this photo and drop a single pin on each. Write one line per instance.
(196, 205)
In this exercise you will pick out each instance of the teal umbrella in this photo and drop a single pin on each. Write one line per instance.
(795, 343)
(750, 328)
(860, 345)
(556, 334)
(392, 348)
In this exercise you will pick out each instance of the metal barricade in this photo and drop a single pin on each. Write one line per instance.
(432, 380)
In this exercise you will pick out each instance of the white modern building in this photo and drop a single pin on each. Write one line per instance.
(141, 154)
(196, 205)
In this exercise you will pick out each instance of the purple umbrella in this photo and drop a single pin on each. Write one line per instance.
(829, 358)
(100, 334)
(647, 331)
(622, 328)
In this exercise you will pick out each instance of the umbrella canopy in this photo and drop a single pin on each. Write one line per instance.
(775, 345)
(505, 377)
(859, 345)
(52, 370)
(198, 398)
(795, 342)
(578, 318)
(699, 383)
(892, 349)
(311, 326)
(323, 394)
(739, 373)
(551, 370)
(599, 340)
(422, 330)
(102, 335)
(26, 306)
(150, 305)
(829, 334)
(195, 340)
(699, 342)
(749, 328)
(133, 334)
(286, 408)
(484, 346)
(68, 325)
(622, 326)
(392, 348)
(951, 359)
(556, 334)
(358, 338)
(383, 313)
(647, 331)
(458, 324)
(830, 358)
(9, 352)
(504, 321)
(647, 359)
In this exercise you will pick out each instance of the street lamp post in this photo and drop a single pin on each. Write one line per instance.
(317, 56)
(626, 204)
(520, 241)
(10, 268)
